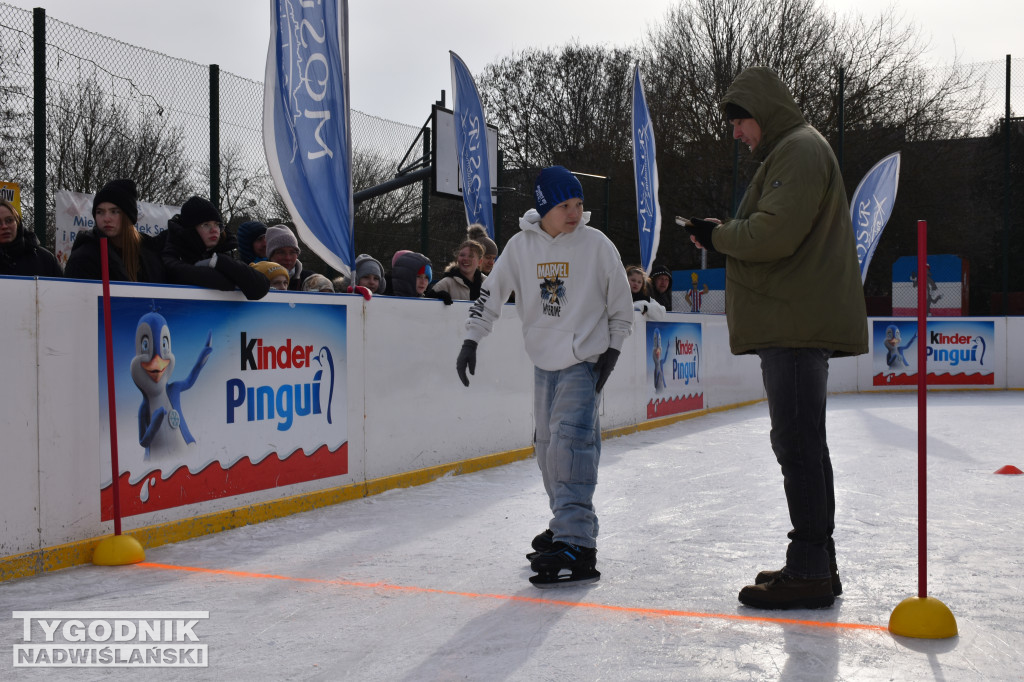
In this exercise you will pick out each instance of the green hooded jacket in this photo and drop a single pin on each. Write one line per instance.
(792, 276)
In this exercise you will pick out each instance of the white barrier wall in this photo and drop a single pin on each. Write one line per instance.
(406, 408)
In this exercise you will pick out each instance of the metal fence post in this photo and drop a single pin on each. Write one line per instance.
(39, 115)
(425, 209)
(1006, 202)
(215, 135)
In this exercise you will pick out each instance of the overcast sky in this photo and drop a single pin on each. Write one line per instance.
(399, 48)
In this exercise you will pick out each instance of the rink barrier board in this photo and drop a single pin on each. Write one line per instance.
(52, 514)
(76, 553)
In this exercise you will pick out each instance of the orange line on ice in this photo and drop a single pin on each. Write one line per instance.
(671, 613)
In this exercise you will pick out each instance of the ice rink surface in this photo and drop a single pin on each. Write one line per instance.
(430, 583)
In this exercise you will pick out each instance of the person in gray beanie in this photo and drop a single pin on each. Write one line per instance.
(369, 274)
(283, 249)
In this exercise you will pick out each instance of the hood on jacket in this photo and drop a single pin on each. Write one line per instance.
(406, 268)
(188, 245)
(249, 232)
(530, 222)
(760, 91)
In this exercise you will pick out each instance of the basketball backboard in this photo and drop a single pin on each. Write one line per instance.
(447, 180)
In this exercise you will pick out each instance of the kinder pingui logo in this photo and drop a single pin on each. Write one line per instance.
(260, 400)
(953, 349)
(686, 363)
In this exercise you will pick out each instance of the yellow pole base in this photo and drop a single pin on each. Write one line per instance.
(118, 550)
(926, 618)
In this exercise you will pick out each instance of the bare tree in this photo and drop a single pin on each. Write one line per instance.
(16, 124)
(570, 105)
(93, 138)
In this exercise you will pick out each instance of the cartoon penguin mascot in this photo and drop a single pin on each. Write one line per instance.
(162, 428)
(659, 355)
(894, 357)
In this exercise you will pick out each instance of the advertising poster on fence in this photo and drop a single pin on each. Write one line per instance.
(958, 352)
(673, 368)
(221, 398)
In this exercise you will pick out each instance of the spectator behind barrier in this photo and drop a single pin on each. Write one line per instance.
(478, 233)
(198, 249)
(283, 249)
(661, 286)
(369, 274)
(20, 252)
(463, 278)
(275, 273)
(640, 288)
(252, 242)
(411, 274)
(318, 283)
(133, 257)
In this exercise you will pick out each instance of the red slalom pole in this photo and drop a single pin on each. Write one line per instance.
(116, 550)
(922, 616)
(111, 402)
(922, 412)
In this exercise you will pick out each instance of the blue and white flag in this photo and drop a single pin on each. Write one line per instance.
(871, 207)
(471, 147)
(645, 170)
(306, 127)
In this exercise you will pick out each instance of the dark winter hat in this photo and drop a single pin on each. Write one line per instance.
(121, 193)
(554, 185)
(734, 111)
(478, 232)
(661, 270)
(198, 210)
(278, 237)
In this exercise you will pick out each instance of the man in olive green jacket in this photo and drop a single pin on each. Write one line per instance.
(793, 296)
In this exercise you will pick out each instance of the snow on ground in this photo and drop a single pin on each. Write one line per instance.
(430, 583)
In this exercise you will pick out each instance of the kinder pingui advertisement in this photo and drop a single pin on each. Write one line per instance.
(221, 398)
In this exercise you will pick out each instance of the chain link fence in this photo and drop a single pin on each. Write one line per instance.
(119, 110)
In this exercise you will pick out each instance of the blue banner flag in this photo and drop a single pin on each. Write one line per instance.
(471, 147)
(872, 205)
(645, 170)
(306, 126)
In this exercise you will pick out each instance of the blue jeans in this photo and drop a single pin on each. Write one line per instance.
(796, 382)
(567, 440)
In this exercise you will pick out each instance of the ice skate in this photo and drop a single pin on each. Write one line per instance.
(564, 565)
(541, 544)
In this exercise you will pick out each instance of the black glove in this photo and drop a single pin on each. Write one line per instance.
(701, 229)
(604, 366)
(442, 295)
(467, 358)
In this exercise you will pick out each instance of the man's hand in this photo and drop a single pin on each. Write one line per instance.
(604, 366)
(467, 358)
(700, 231)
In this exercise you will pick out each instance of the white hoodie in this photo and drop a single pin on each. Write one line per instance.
(571, 290)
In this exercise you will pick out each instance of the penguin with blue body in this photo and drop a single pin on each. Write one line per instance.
(894, 357)
(163, 431)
